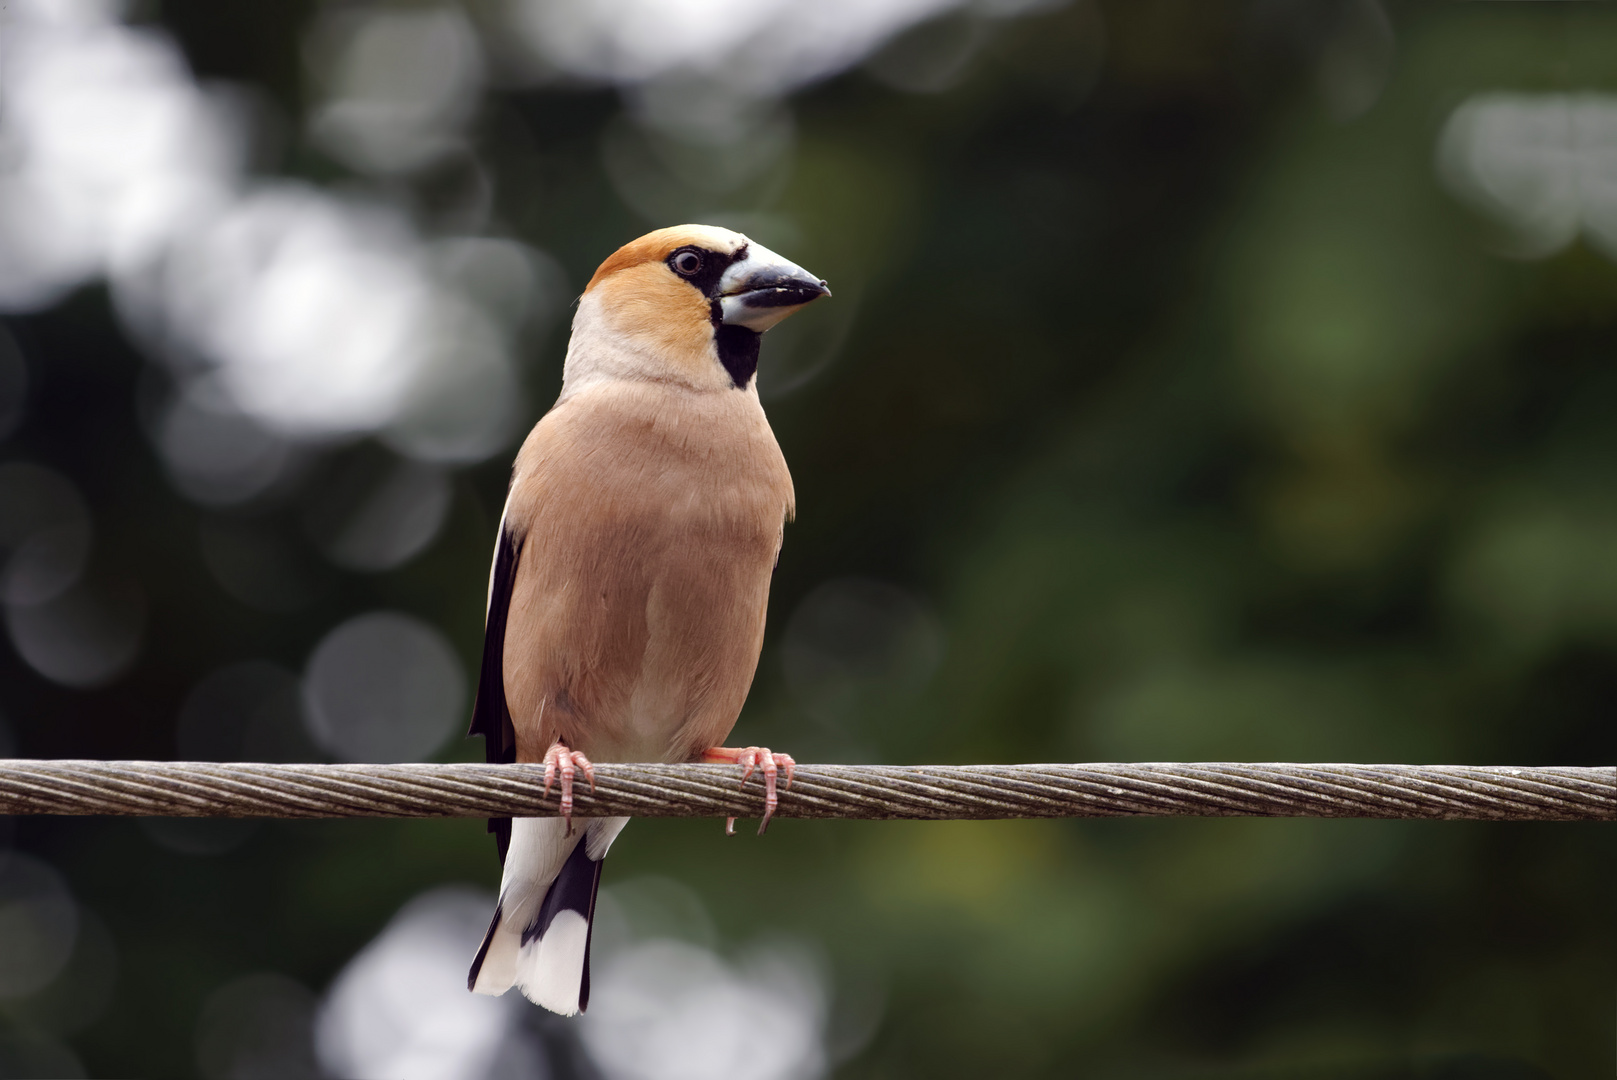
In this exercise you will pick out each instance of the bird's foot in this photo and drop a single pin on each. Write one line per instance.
(751, 759)
(559, 759)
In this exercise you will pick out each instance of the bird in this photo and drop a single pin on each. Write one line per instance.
(626, 602)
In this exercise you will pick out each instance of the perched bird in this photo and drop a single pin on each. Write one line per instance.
(631, 575)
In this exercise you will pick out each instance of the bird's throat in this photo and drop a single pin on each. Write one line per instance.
(738, 352)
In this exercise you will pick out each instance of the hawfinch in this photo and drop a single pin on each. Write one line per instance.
(631, 575)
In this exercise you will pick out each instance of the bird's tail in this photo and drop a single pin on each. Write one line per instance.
(539, 939)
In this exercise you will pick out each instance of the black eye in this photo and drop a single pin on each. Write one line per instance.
(687, 263)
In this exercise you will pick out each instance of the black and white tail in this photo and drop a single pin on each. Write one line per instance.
(539, 939)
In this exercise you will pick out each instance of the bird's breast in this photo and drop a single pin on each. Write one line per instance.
(651, 521)
(645, 452)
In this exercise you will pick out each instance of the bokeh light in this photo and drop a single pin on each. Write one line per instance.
(1545, 165)
(86, 636)
(667, 1009)
(215, 453)
(400, 1008)
(255, 1027)
(80, 994)
(398, 86)
(45, 531)
(111, 147)
(673, 997)
(247, 711)
(375, 516)
(39, 923)
(383, 687)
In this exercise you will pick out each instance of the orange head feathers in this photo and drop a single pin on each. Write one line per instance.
(685, 304)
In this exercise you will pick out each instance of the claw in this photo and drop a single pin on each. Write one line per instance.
(559, 759)
(751, 759)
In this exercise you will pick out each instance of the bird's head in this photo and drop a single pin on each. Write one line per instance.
(686, 304)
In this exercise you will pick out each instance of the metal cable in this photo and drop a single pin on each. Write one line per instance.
(931, 792)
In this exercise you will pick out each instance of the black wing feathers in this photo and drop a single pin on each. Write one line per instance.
(491, 716)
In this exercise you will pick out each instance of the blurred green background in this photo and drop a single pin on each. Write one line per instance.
(1203, 381)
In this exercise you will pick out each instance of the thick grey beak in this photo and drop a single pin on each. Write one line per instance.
(762, 289)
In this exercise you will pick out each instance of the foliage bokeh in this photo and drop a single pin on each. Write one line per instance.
(1175, 403)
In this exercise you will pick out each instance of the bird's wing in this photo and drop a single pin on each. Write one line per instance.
(491, 715)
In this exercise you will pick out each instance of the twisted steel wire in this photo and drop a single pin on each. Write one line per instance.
(923, 792)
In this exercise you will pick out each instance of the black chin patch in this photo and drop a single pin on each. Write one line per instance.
(738, 352)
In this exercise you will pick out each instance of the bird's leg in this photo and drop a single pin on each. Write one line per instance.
(560, 759)
(752, 758)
